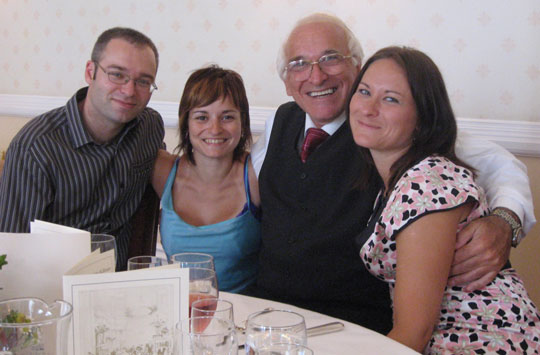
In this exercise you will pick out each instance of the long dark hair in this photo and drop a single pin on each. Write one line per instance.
(203, 87)
(436, 127)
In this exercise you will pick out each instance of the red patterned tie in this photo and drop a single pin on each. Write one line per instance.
(314, 137)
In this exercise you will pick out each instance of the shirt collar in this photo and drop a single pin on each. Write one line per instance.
(80, 136)
(74, 119)
(329, 128)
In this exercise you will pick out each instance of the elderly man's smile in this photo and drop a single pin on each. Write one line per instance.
(322, 92)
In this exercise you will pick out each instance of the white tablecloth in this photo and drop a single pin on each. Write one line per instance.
(353, 340)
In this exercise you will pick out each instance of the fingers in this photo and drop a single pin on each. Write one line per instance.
(479, 250)
(476, 259)
(465, 235)
(481, 282)
(466, 253)
(482, 248)
(475, 265)
(466, 272)
(473, 271)
(473, 280)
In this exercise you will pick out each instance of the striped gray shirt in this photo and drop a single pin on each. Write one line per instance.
(55, 172)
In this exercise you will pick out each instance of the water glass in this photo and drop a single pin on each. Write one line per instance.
(200, 260)
(104, 243)
(205, 336)
(270, 327)
(284, 349)
(29, 326)
(212, 307)
(145, 262)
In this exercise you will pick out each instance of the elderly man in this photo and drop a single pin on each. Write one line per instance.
(86, 164)
(311, 212)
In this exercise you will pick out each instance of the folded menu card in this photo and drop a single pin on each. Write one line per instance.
(126, 312)
(92, 263)
(36, 261)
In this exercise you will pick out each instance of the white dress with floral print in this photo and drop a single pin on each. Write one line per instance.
(498, 319)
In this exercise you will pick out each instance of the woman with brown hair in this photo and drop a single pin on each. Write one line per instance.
(401, 117)
(209, 194)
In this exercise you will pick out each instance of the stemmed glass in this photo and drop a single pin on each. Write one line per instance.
(212, 307)
(205, 336)
(145, 262)
(202, 285)
(200, 260)
(270, 327)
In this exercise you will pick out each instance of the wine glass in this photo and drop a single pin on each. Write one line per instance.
(200, 260)
(212, 307)
(205, 335)
(105, 243)
(270, 327)
(202, 285)
(145, 262)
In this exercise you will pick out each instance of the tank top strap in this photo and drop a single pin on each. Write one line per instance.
(167, 190)
(246, 182)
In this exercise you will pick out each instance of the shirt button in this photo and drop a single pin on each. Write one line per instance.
(290, 241)
(303, 176)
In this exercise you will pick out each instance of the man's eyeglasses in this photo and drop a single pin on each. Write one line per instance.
(117, 77)
(331, 64)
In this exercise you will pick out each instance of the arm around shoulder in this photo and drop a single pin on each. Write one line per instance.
(503, 177)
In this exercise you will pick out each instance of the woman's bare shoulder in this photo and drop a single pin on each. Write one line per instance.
(162, 168)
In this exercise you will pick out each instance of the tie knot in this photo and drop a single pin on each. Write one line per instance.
(314, 137)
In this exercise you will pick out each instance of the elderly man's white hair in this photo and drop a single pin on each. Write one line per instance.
(352, 42)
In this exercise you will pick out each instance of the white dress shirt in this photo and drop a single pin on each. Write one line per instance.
(503, 177)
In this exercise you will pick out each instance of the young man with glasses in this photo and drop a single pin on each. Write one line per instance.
(311, 212)
(86, 164)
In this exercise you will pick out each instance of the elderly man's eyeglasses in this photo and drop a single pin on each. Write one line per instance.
(117, 77)
(331, 64)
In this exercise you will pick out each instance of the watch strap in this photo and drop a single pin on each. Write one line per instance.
(513, 222)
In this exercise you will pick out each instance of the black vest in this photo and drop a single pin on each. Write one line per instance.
(311, 216)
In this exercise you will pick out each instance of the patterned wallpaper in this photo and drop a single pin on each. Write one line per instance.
(488, 50)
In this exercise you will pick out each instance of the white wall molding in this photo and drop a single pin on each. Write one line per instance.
(519, 137)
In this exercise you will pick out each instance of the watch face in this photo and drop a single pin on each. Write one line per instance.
(516, 236)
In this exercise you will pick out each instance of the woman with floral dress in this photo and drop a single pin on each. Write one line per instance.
(401, 117)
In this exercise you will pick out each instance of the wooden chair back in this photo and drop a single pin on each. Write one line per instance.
(144, 225)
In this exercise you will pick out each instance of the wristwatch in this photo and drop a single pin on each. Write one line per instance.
(515, 224)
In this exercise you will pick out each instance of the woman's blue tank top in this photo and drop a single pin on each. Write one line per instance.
(233, 243)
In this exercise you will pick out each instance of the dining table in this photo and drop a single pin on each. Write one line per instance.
(353, 339)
